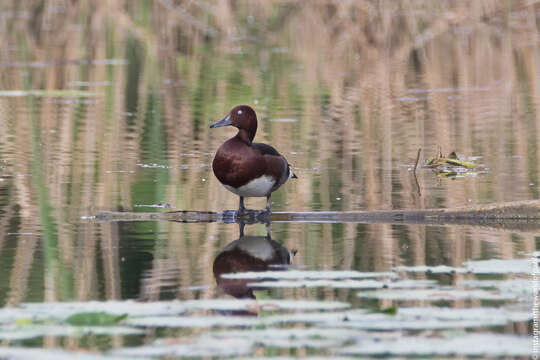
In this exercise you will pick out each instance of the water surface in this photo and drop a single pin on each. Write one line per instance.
(116, 117)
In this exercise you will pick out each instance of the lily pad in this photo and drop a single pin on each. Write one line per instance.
(500, 266)
(311, 275)
(294, 337)
(14, 332)
(95, 319)
(438, 269)
(110, 312)
(193, 321)
(429, 318)
(416, 318)
(507, 314)
(522, 288)
(232, 305)
(63, 310)
(441, 294)
(392, 310)
(26, 353)
(492, 266)
(200, 347)
(346, 284)
(303, 358)
(466, 344)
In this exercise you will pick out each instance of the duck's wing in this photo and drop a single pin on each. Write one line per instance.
(275, 163)
(265, 149)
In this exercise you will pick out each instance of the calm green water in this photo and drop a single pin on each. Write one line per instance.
(121, 122)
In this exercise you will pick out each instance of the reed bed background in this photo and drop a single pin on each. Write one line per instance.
(356, 88)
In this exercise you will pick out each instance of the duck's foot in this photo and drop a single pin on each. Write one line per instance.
(264, 216)
(249, 216)
(246, 216)
(241, 208)
(243, 212)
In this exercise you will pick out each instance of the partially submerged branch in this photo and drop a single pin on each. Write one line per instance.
(517, 215)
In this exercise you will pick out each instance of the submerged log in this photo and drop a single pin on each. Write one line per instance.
(518, 215)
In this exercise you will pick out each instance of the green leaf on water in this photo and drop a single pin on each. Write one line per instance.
(389, 310)
(456, 162)
(95, 319)
(443, 161)
(24, 322)
(447, 165)
(32, 322)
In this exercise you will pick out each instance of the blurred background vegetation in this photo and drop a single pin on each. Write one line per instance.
(346, 90)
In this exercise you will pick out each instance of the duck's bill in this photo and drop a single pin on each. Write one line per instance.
(223, 122)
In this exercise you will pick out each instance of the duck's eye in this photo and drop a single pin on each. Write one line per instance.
(239, 112)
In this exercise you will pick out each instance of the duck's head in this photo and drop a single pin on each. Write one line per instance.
(242, 117)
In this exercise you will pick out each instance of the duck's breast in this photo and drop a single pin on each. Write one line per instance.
(237, 165)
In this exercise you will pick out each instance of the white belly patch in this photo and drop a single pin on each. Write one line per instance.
(257, 246)
(258, 187)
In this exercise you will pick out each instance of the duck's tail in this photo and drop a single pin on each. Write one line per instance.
(291, 174)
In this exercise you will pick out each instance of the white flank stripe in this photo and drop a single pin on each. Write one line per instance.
(255, 188)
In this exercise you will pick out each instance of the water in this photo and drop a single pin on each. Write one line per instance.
(121, 123)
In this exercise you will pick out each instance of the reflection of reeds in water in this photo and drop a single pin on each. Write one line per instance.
(346, 77)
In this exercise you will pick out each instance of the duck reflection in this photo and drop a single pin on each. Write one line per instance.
(249, 253)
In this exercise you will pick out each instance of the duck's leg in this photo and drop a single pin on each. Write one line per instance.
(268, 202)
(241, 208)
(268, 236)
(241, 226)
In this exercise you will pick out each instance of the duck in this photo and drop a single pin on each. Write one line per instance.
(246, 168)
(249, 254)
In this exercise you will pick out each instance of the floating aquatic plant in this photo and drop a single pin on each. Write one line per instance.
(441, 294)
(345, 284)
(25, 353)
(309, 275)
(492, 266)
(107, 312)
(18, 332)
(199, 347)
(95, 319)
(467, 344)
(63, 310)
(453, 165)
